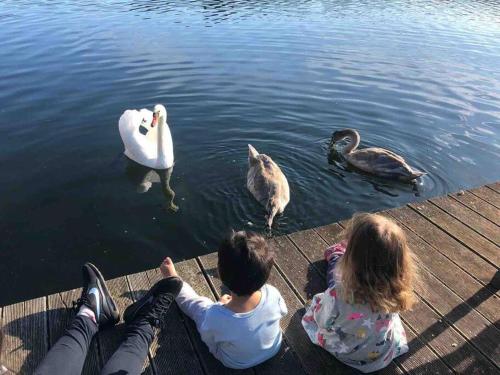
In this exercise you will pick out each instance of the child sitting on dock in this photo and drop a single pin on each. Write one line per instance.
(370, 279)
(243, 328)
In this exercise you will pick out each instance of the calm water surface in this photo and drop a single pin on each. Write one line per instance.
(419, 77)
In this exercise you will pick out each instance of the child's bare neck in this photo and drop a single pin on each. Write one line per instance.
(243, 304)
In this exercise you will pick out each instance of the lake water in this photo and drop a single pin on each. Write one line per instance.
(421, 78)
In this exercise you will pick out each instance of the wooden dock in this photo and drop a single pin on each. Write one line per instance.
(455, 327)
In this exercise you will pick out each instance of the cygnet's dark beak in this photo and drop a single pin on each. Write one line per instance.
(155, 120)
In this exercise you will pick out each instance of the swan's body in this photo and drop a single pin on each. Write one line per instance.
(374, 160)
(267, 183)
(146, 143)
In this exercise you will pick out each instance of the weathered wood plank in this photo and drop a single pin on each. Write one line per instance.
(420, 359)
(469, 217)
(456, 279)
(451, 347)
(172, 350)
(60, 316)
(209, 266)
(286, 360)
(25, 335)
(495, 186)
(488, 195)
(304, 279)
(479, 331)
(331, 233)
(479, 206)
(307, 241)
(474, 241)
(448, 246)
(191, 273)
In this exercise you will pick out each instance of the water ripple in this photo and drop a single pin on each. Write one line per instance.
(419, 77)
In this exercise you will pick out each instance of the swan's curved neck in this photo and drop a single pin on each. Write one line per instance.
(162, 152)
(353, 142)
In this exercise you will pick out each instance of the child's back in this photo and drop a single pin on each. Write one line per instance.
(356, 318)
(242, 329)
(242, 340)
(353, 333)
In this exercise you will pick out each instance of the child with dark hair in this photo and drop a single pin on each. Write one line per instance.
(242, 329)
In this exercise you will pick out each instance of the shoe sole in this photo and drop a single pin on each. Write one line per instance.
(107, 295)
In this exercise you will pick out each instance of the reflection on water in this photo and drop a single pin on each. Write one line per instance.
(143, 178)
(420, 78)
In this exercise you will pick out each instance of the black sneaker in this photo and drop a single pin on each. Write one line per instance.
(154, 305)
(95, 296)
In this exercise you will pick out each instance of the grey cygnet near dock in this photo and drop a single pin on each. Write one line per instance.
(267, 183)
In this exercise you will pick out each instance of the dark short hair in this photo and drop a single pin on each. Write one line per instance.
(245, 262)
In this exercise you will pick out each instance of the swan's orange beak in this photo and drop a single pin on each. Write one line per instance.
(155, 120)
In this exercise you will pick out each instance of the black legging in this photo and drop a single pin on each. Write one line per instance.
(67, 356)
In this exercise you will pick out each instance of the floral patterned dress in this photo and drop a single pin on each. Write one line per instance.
(353, 333)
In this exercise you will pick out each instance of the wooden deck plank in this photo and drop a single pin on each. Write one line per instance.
(456, 279)
(307, 241)
(488, 195)
(451, 347)
(474, 241)
(331, 233)
(286, 360)
(334, 233)
(479, 331)
(25, 335)
(448, 246)
(307, 280)
(469, 217)
(191, 273)
(495, 186)
(172, 350)
(420, 360)
(60, 316)
(479, 206)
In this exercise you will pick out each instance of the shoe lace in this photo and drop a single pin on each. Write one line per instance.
(83, 300)
(159, 308)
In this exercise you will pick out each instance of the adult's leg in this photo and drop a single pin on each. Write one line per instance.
(332, 256)
(192, 304)
(96, 309)
(67, 356)
(148, 312)
(130, 356)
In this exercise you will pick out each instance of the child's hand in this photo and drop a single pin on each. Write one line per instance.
(225, 299)
(167, 268)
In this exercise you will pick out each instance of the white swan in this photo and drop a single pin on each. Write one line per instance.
(146, 143)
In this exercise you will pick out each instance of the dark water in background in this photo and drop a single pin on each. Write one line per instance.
(419, 77)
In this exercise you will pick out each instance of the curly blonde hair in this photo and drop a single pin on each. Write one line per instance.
(378, 267)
